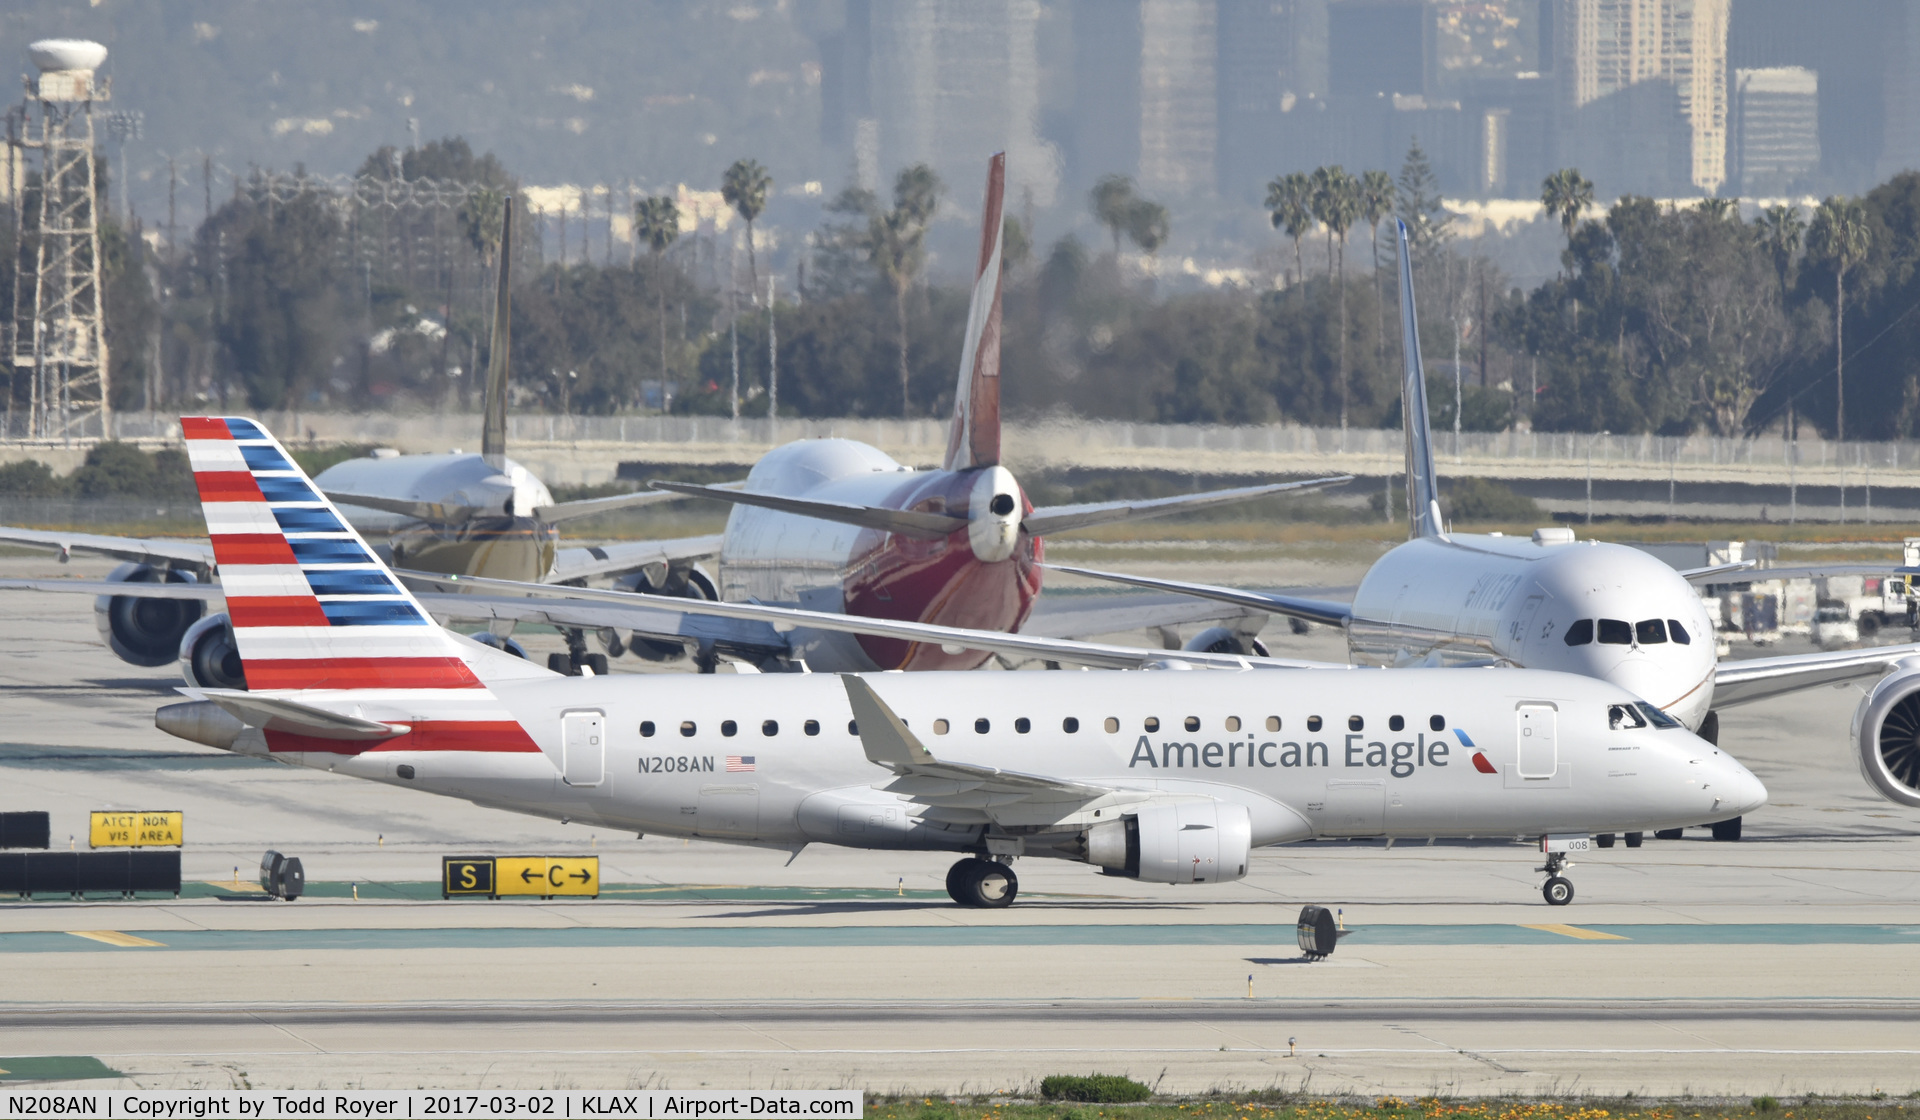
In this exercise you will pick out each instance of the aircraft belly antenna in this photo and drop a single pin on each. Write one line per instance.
(493, 431)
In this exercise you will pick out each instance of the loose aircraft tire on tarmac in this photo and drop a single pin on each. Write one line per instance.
(1604, 840)
(1727, 829)
(1634, 839)
(1670, 834)
(1557, 891)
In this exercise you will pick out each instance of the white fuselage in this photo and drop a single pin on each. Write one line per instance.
(1310, 753)
(1478, 598)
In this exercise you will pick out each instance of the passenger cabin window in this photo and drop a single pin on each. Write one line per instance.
(1650, 632)
(981, 726)
(1614, 632)
(646, 729)
(1273, 723)
(769, 727)
(1355, 723)
(729, 728)
(1233, 723)
(1624, 717)
(687, 729)
(1313, 723)
(1112, 725)
(1192, 723)
(1396, 723)
(1580, 633)
(939, 727)
(1437, 723)
(1678, 632)
(1153, 723)
(811, 727)
(1070, 725)
(1023, 725)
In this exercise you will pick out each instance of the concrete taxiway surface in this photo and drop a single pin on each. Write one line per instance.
(1779, 964)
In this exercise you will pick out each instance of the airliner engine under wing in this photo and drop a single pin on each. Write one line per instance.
(1165, 777)
(1602, 610)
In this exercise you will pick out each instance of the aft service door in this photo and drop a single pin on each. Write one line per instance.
(1533, 729)
(583, 748)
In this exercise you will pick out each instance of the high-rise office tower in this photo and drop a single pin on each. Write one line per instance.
(1776, 128)
(1272, 59)
(1610, 49)
(1146, 94)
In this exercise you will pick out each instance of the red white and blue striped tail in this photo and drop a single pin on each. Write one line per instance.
(315, 612)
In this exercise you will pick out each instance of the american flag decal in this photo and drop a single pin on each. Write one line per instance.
(739, 764)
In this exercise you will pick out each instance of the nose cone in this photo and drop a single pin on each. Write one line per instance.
(1736, 792)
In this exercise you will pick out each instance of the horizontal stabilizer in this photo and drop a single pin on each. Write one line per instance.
(1324, 611)
(908, 523)
(274, 714)
(1049, 520)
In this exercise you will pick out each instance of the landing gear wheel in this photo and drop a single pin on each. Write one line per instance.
(595, 661)
(1727, 829)
(982, 884)
(1604, 840)
(1558, 891)
(560, 663)
(1634, 839)
(1670, 834)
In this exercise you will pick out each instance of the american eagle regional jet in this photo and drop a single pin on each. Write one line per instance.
(1170, 777)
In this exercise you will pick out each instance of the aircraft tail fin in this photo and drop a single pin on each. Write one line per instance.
(1423, 488)
(312, 607)
(493, 431)
(975, 439)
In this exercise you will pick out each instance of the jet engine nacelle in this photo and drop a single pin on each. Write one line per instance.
(657, 579)
(145, 632)
(1185, 842)
(1886, 731)
(1222, 639)
(209, 657)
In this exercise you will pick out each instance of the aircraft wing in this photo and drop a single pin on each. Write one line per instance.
(1065, 616)
(652, 616)
(205, 592)
(594, 607)
(918, 524)
(440, 513)
(589, 507)
(1049, 520)
(1324, 611)
(1749, 574)
(145, 550)
(1761, 678)
(626, 556)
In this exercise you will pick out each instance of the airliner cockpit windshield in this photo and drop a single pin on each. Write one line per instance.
(1614, 632)
(1630, 715)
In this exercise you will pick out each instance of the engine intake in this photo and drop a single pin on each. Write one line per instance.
(1886, 731)
(209, 657)
(145, 632)
(1185, 842)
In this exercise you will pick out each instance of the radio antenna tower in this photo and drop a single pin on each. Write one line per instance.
(59, 337)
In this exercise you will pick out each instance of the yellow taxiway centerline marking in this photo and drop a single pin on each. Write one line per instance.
(1577, 932)
(115, 937)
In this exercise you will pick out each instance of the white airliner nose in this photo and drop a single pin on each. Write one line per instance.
(1735, 790)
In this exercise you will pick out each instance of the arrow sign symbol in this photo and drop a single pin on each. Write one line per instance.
(527, 876)
(581, 875)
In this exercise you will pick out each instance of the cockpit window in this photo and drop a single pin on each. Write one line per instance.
(1679, 632)
(1624, 717)
(1580, 633)
(1650, 632)
(1655, 716)
(1614, 632)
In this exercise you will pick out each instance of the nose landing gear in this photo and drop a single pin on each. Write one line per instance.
(1558, 889)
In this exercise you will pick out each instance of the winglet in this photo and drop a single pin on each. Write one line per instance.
(883, 734)
(1423, 488)
(493, 431)
(975, 439)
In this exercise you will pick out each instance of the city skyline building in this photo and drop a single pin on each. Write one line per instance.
(1776, 128)
(1607, 48)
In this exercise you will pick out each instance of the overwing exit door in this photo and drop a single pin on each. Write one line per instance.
(583, 748)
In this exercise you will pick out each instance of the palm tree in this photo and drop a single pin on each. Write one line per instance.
(1287, 198)
(896, 245)
(1780, 229)
(1336, 202)
(657, 222)
(744, 187)
(1112, 200)
(1567, 194)
(480, 218)
(1839, 237)
(1717, 209)
(1377, 197)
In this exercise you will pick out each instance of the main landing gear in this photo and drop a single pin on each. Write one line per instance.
(982, 884)
(1558, 889)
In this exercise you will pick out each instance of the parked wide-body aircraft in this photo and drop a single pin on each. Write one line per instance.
(1598, 609)
(1162, 776)
(833, 526)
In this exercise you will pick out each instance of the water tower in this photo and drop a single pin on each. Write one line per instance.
(58, 342)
